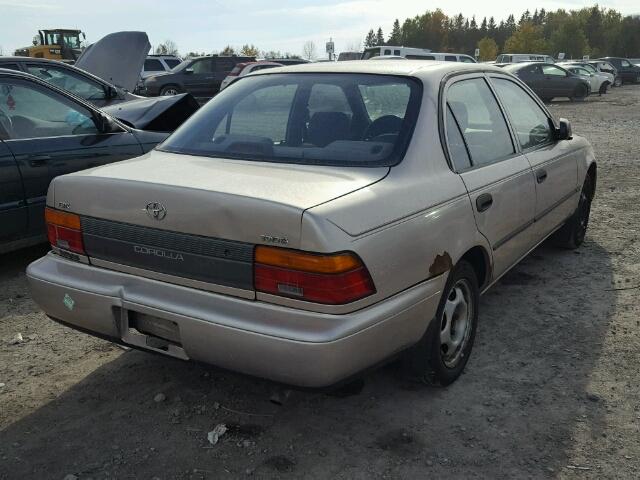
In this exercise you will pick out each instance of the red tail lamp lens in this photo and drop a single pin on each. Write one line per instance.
(64, 230)
(329, 279)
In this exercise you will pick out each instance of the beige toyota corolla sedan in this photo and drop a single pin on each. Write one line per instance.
(313, 221)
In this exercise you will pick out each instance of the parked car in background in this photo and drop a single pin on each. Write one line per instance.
(155, 64)
(598, 82)
(286, 61)
(46, 132)
(611, 77)
(445, 57)
(200, 76)
(606, 67)
(160, 114)
(386, 57)
(629, 73)
(524, 57)
(408, 52)
(242, 69)
(316, 228)
(345, 56)
(550, 81)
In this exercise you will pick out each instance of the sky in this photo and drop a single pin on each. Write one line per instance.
(283, 25)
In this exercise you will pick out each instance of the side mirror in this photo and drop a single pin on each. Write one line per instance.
(111, 92)
(188, 70)
(104, 124)
(564, 132)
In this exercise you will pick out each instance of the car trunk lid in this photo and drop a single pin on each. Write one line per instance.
(195, 217)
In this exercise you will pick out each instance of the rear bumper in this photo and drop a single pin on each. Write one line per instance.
(279, 343)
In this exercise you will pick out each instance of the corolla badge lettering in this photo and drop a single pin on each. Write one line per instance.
(158, 253)
(156, 210)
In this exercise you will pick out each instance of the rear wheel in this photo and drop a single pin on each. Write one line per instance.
(442, 353)
(604, 88)
(169, 90)
(579, 94)
(617, 82)
(572, 233)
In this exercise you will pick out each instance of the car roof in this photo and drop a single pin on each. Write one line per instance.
(30, 59)
(414, 68)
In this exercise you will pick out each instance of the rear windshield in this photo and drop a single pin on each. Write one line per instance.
(305, 118)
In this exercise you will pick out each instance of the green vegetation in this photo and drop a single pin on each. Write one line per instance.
(593, 31)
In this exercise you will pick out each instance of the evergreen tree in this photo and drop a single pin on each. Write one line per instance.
(370, 39)
(396, 34)
(379, 38)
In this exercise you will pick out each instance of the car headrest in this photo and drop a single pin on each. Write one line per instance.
(327, 127)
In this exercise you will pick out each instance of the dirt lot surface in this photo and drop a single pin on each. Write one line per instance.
(551, 390)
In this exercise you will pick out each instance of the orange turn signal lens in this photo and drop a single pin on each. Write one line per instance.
(306, 262)
(62, 219)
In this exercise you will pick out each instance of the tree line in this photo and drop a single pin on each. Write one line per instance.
(593, 31)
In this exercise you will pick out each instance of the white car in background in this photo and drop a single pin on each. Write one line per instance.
(599, 82)
(245, 68)
(611, 77)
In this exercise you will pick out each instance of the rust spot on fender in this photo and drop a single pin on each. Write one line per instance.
(442, 263)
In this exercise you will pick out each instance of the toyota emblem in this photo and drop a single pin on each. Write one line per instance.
(156, 210)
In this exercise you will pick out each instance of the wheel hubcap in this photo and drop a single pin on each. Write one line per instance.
(455, 324)
(170, 91)
(583, 216)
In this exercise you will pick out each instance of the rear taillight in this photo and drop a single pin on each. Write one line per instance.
(332, 279)
(64, 230)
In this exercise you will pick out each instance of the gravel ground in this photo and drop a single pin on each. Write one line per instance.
(551, 390)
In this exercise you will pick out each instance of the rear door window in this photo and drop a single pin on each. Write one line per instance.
(530, 122)
(172, 62)
(480, 119)
(553, 70)
(450, 58)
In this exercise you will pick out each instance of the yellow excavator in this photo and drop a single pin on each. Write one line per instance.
(56, 44)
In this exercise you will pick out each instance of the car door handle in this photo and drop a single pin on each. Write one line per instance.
(38, 160)
(484, 201)
(541, 175)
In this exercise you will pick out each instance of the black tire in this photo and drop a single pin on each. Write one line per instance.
(169, 90)
(604, 88)
(571, 234)
(429, 361)
(579, 94)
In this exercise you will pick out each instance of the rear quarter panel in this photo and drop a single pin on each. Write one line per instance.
(413, 225)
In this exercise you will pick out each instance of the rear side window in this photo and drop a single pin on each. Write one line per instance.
(420, 57)
(450, 58)
(172, 62)
(465, 59)
(153, 65)
(480, 120)
(527, 118)
(457, 147)
(313, 119)
(224, 64)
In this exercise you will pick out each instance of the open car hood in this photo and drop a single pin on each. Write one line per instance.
(117, 58)
(158, 114)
